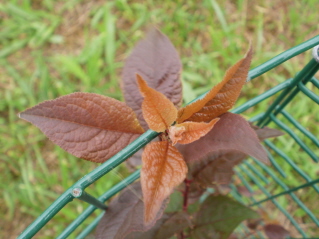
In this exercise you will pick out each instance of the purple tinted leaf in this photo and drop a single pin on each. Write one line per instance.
(266, 132)
(275, 231)
(157, 61)
(231, 132)
(125, 214)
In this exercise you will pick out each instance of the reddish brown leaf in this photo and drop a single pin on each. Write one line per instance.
(125, 215)
(158, 111)
(89, 126)
(219, 216)
(231, 132)
(222, 97)
(220, 162)
(163, 169)
(275, 231)
(157, 61)
(266, 132)
(244, 191)
(189, 132)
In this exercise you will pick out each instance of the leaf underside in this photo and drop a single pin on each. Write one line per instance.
(220, 98)
(125, 215)
(163, 169)
(158, 111)
(89, 126)
(157, 61)
(231, 132)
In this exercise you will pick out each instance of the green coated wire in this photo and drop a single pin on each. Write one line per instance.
(300, 127)
(295, 137)
(291, 219)
(90, 209)
(293, 196)
(291, 163)
(313, 182)
(308, 93)
(315, 82)
(97, 173)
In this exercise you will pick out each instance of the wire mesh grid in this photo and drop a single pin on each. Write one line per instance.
(271, 183)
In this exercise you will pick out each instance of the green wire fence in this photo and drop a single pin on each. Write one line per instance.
(252, 174)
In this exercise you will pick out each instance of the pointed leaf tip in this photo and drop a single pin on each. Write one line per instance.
(158, 111)
(158, 62)
(163, 169)
(221, 97)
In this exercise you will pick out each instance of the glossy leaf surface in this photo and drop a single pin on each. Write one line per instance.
(219, 216)
(157, 61)
(89, 126)
(222, 97)
(158, 111)
(231, 132)
(163, 169)
(189, 132)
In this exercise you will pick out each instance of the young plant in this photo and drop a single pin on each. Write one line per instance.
(198, 144)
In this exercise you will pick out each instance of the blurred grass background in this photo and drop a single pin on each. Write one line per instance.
(51, 48)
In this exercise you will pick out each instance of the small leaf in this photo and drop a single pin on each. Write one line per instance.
(163, 169)
(219, 216)
(231, 132)
(222, 97)
(275, 231)
(89, 126)
(158, 111)
(189, 132)
(125, 215)
(157, 61)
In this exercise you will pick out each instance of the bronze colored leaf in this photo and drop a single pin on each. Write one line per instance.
(275, 231)
(163, 169)
(231, 132)
(222, 97)
(158, 111)
(157, 61)
(89, 126)
(125, 215)
(189, 132)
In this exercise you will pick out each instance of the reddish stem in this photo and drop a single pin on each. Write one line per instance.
(185, 194)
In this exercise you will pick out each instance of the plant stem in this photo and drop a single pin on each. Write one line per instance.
(185, 194)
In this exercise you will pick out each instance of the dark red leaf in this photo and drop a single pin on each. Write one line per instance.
(89, 126)
(219, 216)
(125, 214)
(157, 61)
(231, 132)
(275, 231)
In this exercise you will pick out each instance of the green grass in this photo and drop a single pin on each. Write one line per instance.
(52, 48)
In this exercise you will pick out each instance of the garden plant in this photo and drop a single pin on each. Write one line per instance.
(186, 172)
